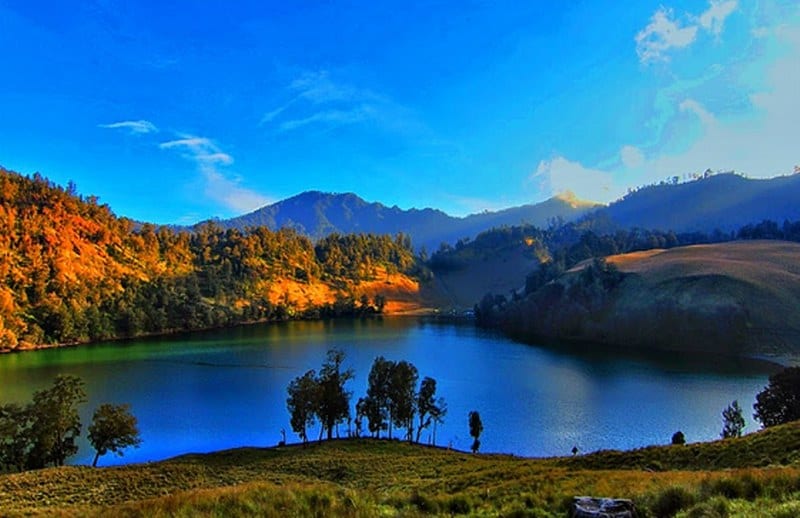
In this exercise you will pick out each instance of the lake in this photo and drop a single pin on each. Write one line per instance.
(221, 389)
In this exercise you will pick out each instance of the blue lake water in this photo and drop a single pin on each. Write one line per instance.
(222, 389)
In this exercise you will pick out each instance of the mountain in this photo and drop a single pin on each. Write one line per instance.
(723, 201)
(317, 214)
(71, 272)
(739, 297)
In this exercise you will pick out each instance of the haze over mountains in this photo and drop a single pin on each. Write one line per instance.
(723, 201)
(317, 214)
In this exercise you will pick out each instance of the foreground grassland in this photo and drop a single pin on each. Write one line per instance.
(758, 475)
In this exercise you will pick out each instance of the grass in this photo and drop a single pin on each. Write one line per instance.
(742, 477)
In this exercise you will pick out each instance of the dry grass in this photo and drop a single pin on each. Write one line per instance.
(370, 477)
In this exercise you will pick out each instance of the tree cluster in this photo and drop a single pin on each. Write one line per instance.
(392, 400)
(44, 432)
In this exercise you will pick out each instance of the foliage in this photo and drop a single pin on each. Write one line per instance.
(55, 423)
(779, 402)
(302, 403)
(74, 272)
(732, 421)
(678, 438)
(475, 429)
(113, 429)
(43, 432)
(334, 401)
(320, 397)
(402, 396)
(429, 408)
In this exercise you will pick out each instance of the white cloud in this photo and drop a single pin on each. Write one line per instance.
(560, 175)
(692, 106)
(319, 100)
(139, 127)
(662, 34)
(337, 117)
(220, 187)
(318, 88)
(632, 157)
(714, 17)
(665, 33)
(230, 193)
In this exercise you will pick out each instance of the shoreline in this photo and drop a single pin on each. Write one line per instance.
(419, 313)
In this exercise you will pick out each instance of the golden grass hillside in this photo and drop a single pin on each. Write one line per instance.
(738, 298)
(391, 478)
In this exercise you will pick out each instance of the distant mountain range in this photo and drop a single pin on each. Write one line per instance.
(317, 214)
(723, 201)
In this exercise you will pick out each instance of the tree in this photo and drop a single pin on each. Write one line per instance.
(113, 429)
(678, 438)
(475, 429)
(732, 421)
(429, 409)
(333, 405)
(377, 406)
(55, 423)
(402, 401)
(302, 403)
(14, 423)
(779, 402)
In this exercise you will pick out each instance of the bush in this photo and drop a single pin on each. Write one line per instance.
(458, 505)
(671, 500)
(424, 504)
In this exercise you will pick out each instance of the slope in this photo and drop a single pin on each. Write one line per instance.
(736, 298)
(364, 477)
(723, 201)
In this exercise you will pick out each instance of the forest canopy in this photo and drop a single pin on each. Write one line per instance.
(72, 271)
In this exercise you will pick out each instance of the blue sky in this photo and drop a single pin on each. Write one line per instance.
(174, 112)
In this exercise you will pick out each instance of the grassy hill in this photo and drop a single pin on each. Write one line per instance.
(757, 475)
(737, 297)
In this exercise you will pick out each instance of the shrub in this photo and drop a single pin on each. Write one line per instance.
(458, 505)
(671, 500)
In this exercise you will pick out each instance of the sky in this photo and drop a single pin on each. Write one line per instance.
(176, 112)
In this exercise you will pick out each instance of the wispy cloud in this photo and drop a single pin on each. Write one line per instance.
(139, 127)
(665, 32)
(336, 117)
(220, 186)
(662, 34)
(760, 140)
(318, 100)
(714, 17)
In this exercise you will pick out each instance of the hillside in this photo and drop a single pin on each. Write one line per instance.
(755, 473)
(722, 201)
(316, 215)
(71, 271)
(737, 298)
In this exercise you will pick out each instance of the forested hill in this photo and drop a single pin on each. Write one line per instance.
(723, 201)
(72, 271)
(317, 214)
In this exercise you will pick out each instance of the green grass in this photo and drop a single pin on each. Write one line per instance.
(742, 477)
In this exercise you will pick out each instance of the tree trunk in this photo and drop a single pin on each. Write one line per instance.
(96, 457)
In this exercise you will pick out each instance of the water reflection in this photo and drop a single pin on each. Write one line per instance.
(226, 388)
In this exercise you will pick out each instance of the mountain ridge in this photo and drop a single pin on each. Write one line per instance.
(317, 214)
